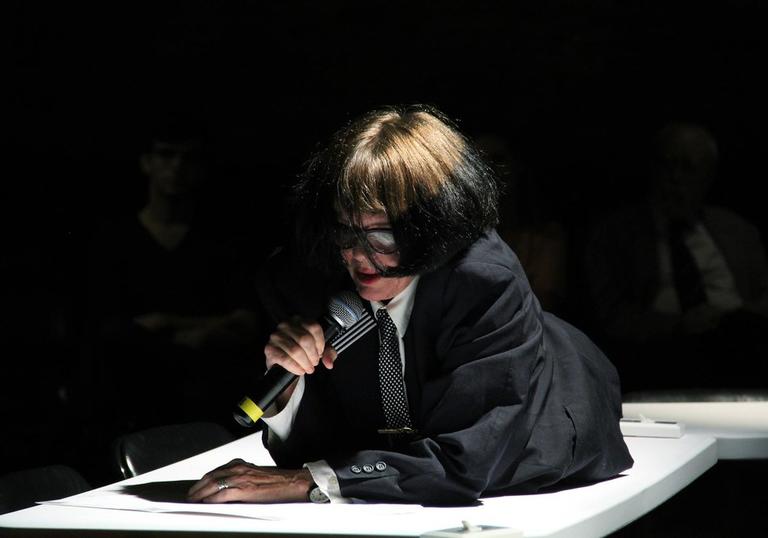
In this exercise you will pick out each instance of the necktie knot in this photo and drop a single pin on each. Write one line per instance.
(386, 325)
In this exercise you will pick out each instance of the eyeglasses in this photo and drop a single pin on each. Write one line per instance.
(380, 240)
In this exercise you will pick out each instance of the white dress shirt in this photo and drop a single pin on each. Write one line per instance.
(719, 286)
(280, 424)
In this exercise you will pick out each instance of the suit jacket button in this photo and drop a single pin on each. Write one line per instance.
(367, 468)
(355, 469)
(380, 466)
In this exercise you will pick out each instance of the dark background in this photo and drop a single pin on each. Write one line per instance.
(576, 87)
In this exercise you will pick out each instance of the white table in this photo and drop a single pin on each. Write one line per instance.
(662, 468)
(741, 428)
(730, 501)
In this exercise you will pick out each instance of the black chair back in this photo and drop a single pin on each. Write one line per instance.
(138, 452)
(22, 489)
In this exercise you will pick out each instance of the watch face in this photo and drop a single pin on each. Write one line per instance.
(316, 495)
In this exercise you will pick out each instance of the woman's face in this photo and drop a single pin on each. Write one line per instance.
(370, 285)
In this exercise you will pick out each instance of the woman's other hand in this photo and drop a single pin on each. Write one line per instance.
(241, 481)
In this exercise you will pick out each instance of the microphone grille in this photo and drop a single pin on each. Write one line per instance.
(346, 308)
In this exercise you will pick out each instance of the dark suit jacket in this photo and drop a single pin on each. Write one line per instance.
(505, 398)
(621, 270)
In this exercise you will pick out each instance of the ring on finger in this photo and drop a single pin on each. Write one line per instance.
(222, 483)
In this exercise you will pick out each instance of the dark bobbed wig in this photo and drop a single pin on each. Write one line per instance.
(413, 164)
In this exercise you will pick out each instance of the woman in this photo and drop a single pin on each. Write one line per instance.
(492, 396)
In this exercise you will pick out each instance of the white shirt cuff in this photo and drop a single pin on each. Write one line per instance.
(326, 480)
(280, 424)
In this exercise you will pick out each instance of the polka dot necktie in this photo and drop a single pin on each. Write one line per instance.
(391, 385)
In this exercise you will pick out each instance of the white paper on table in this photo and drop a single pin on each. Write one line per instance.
(120, 497)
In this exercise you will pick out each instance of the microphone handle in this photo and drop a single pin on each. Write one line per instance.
(274, 382)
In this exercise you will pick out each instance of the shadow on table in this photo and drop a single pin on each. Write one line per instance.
(568, 485)
(174, 491)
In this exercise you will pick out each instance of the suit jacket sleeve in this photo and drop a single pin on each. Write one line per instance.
(744, 251)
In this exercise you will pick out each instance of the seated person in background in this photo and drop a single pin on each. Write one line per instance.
(678, 286)
(171, 294)
(468, 388)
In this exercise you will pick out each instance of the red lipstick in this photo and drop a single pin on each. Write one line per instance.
(366, 278)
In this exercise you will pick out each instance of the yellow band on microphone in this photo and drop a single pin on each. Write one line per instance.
(251, 409)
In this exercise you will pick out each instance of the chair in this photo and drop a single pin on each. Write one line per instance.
(138, 452)
(22, 489)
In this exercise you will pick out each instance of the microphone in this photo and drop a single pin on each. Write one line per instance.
(346, 321)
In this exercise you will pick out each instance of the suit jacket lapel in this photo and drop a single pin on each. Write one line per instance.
(417, 340)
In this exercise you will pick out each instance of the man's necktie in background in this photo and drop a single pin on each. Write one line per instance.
(686, 273)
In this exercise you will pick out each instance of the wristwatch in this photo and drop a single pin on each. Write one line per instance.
(316, 495)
